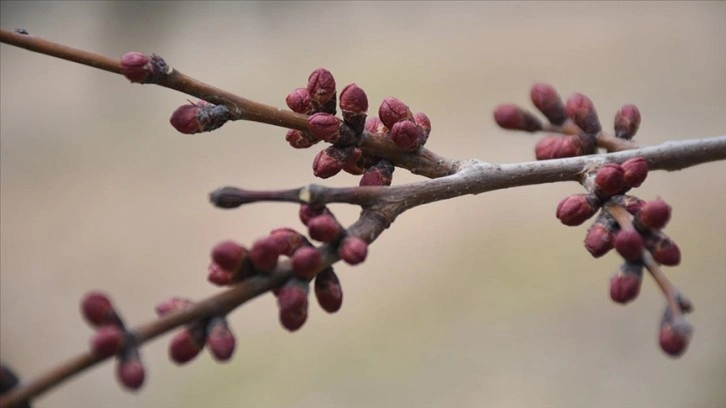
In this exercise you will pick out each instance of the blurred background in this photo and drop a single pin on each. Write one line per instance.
(481, 301)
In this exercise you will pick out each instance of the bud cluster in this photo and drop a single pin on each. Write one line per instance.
(112, 338)
(574, 124)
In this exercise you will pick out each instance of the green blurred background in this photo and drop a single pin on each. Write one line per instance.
(481, 301)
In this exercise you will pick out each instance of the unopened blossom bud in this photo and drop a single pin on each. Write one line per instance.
(406, 135)
(328, 290)
(299, 140)
(627, 122)
(599, 239)
(172, 305)
(218, 276)
(631, 203)
(308, 211)
(299, 101)
(510, 116)
(185, 345)
(325, 126)
(548, 101)
(576, 209)
(228, 255)
(287, 240)
(97, 309)
(392, 110)
(558, 147)
(609, 180)
(654, 214)
(264, 254)
(353, 99)
(107, 340)
(629, 244)
(375, 126)
(130, 372)
(220, 340)
(324, 228)
(380, 174)
(201, 117)
(625, 285)
(674, 337)
(292, 300)
(353, 250)
(306, 261)
(331, 161)
(665, 251)
(582, 111)
(424, 123)
(136, 67)
(635, 171)
(321, 86)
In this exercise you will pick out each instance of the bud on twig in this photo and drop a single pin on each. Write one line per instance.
(353, 250)
(321, 87)
(635, 171)
(220, 340)
(201, 117)
(625, 285)
(609, 180)
(576, 209)
(548, 101)
(299, 101)
(629, 244)
(510, 116)
(130, 371)
(582, 111)
(292, 299)
(392, 110)
(627, 122)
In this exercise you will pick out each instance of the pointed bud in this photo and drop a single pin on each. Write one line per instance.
(328, 290)
(200, 117)
(321, 86)
(324, 228)
(353, 250)
(325, 126)
(136, 67)
(185, 345)
(424, 124)
(609, 180)
(298, 140)
(625, 285)
(380, 174)
(510, 116)
(629, 244)
(97, 309)
(635, 171)
(306, 261)
(674, 337)
(582, 111)
(654, 214)
(548, 101)
(107, 340)
(220, 340)
(299, 101)
(228, 255)
(353, 99)
(292, 300)
(392, 110)
(264, 254)
(331, 161)
(576, 209)
(406, 135)
(558, 147)
(130, 372)
(627, 122)
(599, 240)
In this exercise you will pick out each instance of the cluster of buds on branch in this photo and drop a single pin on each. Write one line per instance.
(287, 262)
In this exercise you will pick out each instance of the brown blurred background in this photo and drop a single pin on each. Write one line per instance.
(481, 301)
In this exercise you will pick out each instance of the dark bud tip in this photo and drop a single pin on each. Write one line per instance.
(299, 101)
(627, 122)
(629, 244)
(324, 228)
(654, 214)
(406, 135)
(510, 116)
(185, 119)
(264, 254)
(576, 209)
(292, 299)
(184, 347)
(306, 261)
(582, 111)
(220, 340)
(548, 101)
(635, 171)
(674, 337)
(325, 126)
(328, 290)
(97, 309)
(353, 250)
(136, 67)
(609, 180)
(392, 110)
(353, 99)
(107, 340)
(321, 86)
(624, 287)
(130, 373)
(599, 240)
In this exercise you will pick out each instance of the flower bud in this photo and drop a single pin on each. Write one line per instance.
(353, 250)
(292, 299)
(627, 122)
(328, 290)
(185, 345)
(325, 126)
(510, 116)
(548, 101)
(220, 340)
(172, 305)
(375, 126)
(321, 86)
(324, 228)
(625, 285)
(218, 276)
(130, 372)
(392, 110)
(581, 110)
(674, 337)
(424, 124)
(665, 251)
(308, 211)
(380, 174)
(107, 340)
(654, 214)
(331, 161)
(599, 240)
(353, 99)
(609, 180)
(629, 244)
(635, 171)
(299, 101)
(298, 139)
(306, 261)
(228, 255)
(287, 240)
(630, 203)
(197, 118)
(576, 209)
(263, 254)
(97, 309)
(136, 67)
(558, 147)
(406, 135)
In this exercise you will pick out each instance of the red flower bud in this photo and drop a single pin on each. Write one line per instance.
(328, 290)
(353, 250)
(609, 180)
(558, 147)
(627, 122)
(635, 171)
(629, 244)
(353, 99)
(185, 119)
(576, 209)
(299, 140)
(172, 305)
(424, 124)
(406, 135)
(665, 252)
(228, 255)
(674, 337)
(581, 110)
(324, 228)
(654, 214)
(631, 204)
(392, 110)
(292, 299)
(306, 261)
(624, 287)
(130, 373)
(287, 240)
(107, 341)
(331, 161)
(264, 254)
(185, 345)
(321, 86)
(136, 67)
(218, 276)
(220, 340)
(548, 101)
(307, 212)
(325, 126)
(510, 116)
(375, 126)
(97, 309)
(599, 240)
(380, 174)
(299, 101)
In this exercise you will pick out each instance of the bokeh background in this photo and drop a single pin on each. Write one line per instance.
(481, 301)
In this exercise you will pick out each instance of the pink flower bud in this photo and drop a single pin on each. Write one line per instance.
(264, 254)
(328, 290)
(220, 340)
(97, 309)
(292, 300)
(324, 228)
(298, 140)
(307, 212)
(185, 119)
(406, 135)
(627, 122)
(674, 338)
(353, 250)
(130, 373)
(629, 244)
(558, 147)
(510, 116)
(581, 110)
(424, 124)
(299, 101)
(548, 101)
(306, 261)
(218, 276)
(654, 214)
(353, 99)
(635, 171)
(228, 255)
(331, 161)
(287, 240)
(624, 287)
(380, 174)
(599, 240)
(107, 341)
(392, 110)
(609, 180)
(576, 209)
(325, 126)
(321, 86)
(136, 67)
(666, 252)
(185, 346)
(375, 126)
